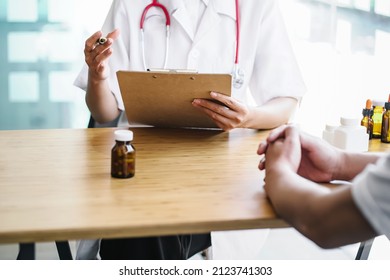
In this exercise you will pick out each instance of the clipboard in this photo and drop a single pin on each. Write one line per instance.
(163, 99)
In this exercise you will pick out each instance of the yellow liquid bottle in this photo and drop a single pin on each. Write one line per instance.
(377, 119)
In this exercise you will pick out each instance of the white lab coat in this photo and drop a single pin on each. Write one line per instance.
(265, 56)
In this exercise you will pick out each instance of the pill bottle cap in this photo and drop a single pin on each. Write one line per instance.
(368, 104)
(330, 127)
(349, 121)
(123, 135)
(366, 112)
(387, 104)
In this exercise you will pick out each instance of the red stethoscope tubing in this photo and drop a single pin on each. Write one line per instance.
(237, 32)
(155, 3)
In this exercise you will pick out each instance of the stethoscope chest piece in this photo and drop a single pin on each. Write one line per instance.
(238, 77)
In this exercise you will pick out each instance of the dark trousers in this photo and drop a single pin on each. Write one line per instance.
(175, 247)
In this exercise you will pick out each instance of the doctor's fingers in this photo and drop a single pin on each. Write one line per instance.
(93, 42)
(97, 49)
(215, 112)
(226, 119)
(224, 123)
(211, 107)
(113, 34)
(90, 43)
(227, 100)
(96, 58)
(99, 65)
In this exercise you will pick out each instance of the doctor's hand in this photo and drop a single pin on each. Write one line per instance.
(229, 113)
(96, 55)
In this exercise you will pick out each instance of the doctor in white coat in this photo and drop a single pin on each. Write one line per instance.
(246, 38)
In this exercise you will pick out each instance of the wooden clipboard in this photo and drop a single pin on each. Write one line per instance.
(163, 99)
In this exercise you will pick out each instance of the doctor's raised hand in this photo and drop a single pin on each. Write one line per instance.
(101, 103)
(96, 54)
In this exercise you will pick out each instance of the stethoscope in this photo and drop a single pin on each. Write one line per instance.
(237, 73)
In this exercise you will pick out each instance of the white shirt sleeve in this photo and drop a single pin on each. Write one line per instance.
(371, 193)
(275, 72)
(119, 60)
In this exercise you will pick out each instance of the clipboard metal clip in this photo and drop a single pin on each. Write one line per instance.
(162, 70)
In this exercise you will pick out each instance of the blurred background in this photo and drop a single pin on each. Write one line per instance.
(41, 45)
(342, 47)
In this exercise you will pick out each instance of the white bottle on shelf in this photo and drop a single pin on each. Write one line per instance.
(351, 136)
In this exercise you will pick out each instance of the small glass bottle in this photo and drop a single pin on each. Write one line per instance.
(377, 119)
(367, 118)
(385, 123)
(123, 155)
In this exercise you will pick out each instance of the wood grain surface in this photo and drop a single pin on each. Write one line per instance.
(56, 184)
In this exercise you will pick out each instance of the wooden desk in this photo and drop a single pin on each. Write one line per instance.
(56, 184)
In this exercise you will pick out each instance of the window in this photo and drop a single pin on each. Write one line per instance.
(343, 49)
(42, 52)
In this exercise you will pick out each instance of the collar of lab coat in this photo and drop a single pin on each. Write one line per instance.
(211, 17)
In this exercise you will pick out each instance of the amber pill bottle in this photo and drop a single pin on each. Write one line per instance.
(123, 155)
(386, 123)
(367, 118)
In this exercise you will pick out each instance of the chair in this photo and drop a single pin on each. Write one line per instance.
(27, 251)
(364, 250)
(94, 124)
